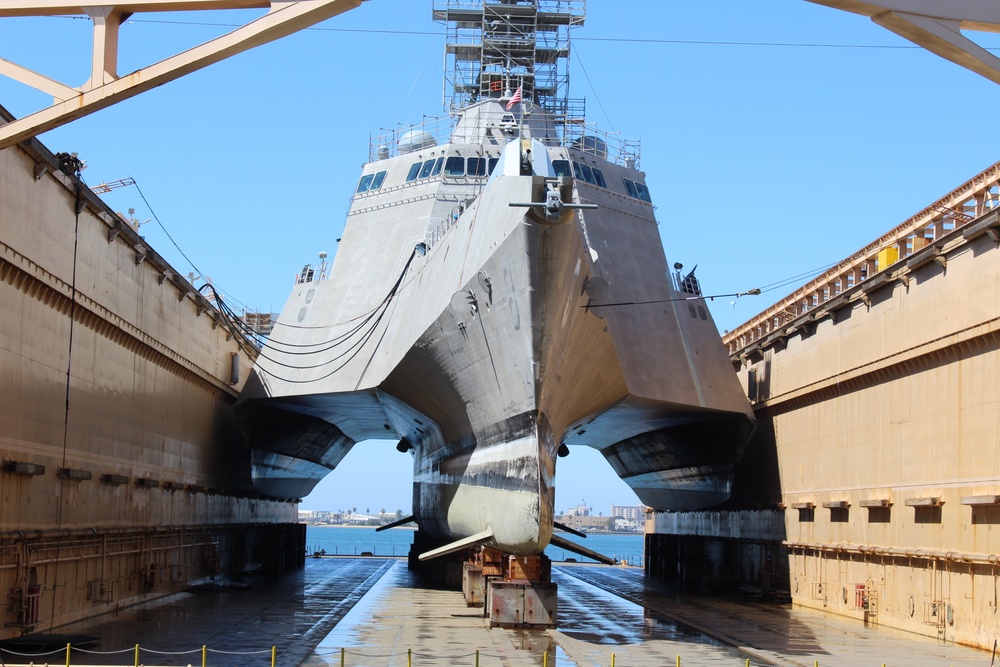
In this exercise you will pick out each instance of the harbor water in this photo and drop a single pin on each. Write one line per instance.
(364, 541)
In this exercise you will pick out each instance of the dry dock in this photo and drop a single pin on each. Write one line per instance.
(372, 612)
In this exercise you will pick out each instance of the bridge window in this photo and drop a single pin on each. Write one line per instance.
(414, 171)
(365, 183)
(425, 171)
(437, 166)
(599, 178)
(477, 166)
(455, 166)
(379, 180)
(643, 192)
(588, 175)
(630, 188)
(494, 161)
(561, 167)
(637, 190)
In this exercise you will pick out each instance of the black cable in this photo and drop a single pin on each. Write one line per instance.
(621, 40)
(357, 346)
(797, 278)
(171, 238)
(698, 297)
(72, 165)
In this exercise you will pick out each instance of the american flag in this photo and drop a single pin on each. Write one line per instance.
(515, 99)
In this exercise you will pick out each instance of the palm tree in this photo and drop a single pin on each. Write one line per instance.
(382, 515)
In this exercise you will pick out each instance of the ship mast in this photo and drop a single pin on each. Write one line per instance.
(494, 47)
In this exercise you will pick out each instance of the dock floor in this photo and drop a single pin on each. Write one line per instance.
(372, 612)
(612, 613)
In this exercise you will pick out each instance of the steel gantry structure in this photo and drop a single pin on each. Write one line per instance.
(106, 87)
(937, 26)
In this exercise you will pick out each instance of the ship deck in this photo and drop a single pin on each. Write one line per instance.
(371, 611)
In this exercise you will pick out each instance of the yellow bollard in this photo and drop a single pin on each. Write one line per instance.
(67, 654)
(612, 660)
(545, 659)
(136, 655)
(204, 656)
(409, 657)
(274, 655)
(477, 657)
(341, 656)
(678, 661)
(748, 663)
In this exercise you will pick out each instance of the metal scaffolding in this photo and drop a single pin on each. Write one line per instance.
(496, 47)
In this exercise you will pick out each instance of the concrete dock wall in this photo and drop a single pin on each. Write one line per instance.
(123, 474)
(878, 445)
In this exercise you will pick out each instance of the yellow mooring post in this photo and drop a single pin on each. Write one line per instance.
(204, 656)
(678, 661)
(136, 655)
(612, 660)
(68, 646)
(545, 659)
(342, 655)
(274, 655)
(409, 656)
(477, 658)
(748, 663)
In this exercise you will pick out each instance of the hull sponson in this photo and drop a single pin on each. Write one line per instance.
(684, 466)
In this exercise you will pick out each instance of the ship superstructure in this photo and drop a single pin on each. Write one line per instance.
(500, 292)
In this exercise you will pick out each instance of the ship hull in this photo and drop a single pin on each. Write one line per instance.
(523, 355)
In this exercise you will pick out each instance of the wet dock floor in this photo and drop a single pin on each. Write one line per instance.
(371, 612)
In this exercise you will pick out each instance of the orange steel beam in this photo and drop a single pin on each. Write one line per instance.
(105, 87)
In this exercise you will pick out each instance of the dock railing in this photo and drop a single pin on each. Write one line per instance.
(135, 657)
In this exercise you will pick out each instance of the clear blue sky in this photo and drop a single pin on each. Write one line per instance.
(777, 136)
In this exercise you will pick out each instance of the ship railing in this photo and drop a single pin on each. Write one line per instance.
(611, 146)
(574, 7)
(688, 284)
(573, 132)
(439, 228)
(387, 142)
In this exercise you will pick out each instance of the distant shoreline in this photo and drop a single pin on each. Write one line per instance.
(637, 533)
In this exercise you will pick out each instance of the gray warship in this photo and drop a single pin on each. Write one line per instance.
(500, 293)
